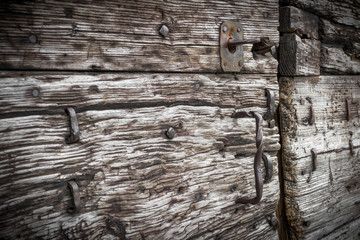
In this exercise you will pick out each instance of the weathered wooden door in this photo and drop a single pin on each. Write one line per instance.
(161, 154)
(319, 111)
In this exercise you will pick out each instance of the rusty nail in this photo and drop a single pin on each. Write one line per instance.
(33, 38)
(351, 145)
(170, 133)
(225, 29)
(273, 221)
(74, 135)
(309, 178)
(314, 159)
(35, 92)
(74, 189)
(348, 115)
(272, 124)
(164, 30)
(312, 116)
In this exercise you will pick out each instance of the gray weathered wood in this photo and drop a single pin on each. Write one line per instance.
(293, 20)
(134, 182)
(318, 206)
(348, 231)
(299, 57)
(340, 48)
(344, 12)
(109, 91)
(124, 35)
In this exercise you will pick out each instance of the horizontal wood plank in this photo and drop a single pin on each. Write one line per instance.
(340, 48)
(320, 201)
(124, 36)
(50, 93)
(343, 12)
(134, 182)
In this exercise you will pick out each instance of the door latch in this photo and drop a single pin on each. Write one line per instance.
(231, 50)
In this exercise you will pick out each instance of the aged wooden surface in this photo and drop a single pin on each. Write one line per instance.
(134, 182)
(53, 35)
(344, 12)
(340, 48)
(299, 57)
(293, 20)
(319, 205)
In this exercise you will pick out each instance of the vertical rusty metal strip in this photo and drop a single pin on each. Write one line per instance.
(257, 159)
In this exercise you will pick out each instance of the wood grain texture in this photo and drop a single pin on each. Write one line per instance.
(345, 12)
(348, 231)
(293, 19)
(134, 182)
(124, 36)
(340, 48)
(299, 57)
(318, 206)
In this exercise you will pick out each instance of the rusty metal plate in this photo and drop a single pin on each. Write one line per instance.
(231, 58)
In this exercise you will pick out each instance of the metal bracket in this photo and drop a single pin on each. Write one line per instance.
(231, 59)
(231, 50)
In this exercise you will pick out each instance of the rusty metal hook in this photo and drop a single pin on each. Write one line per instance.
(257, 158)
(74, 189)
(351, 146)
(268, 167)
(313, 163)
(348, 109)
(74, 126)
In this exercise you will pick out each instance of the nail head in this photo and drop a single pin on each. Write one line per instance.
(32, 38)
(164, 30)
(225, 29)
(170, 133)
(35, 92)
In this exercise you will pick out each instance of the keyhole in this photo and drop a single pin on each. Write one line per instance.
(232, 49)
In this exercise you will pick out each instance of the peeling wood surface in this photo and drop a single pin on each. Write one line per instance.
(340, 48)
(134, 182)
(124, 36)
(317, 206)
(345, 12)
(299, 57)
(293, 19)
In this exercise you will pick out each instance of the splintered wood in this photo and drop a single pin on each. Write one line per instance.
(318, 202)
(134, 182)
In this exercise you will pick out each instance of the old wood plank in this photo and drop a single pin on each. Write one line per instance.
(328, 201)
(55, 91)
(340, 48)
(295, 20)
(347, 231)
(343, 12)
(121, 35)
(320, 201)
(299, 57)
(134, 182)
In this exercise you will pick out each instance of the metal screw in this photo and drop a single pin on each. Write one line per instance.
(170, 133)
(225, 29)
(35, 92)
(164, 30)
(32, 38)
